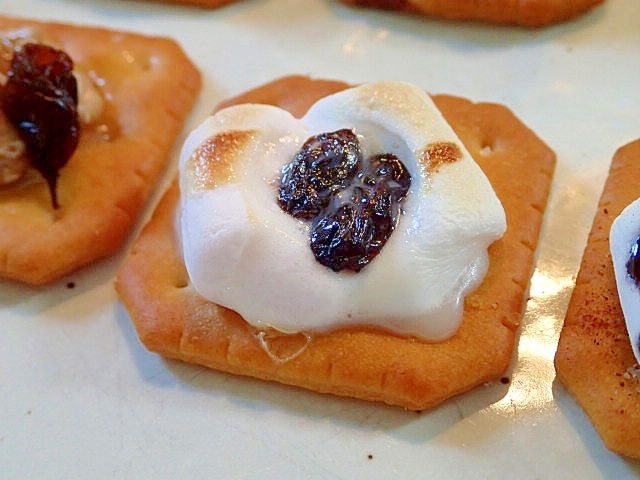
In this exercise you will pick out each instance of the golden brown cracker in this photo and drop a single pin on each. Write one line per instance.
(199, 3)
(173, 320)
(149, 86)
(530, 13)
(594, 353)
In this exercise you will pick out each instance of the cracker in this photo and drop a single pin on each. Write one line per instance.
(150, 86)
(531, 13)
(173, 320)
(594, 353)
(199, 3)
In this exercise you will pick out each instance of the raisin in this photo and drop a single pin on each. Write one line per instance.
(353, 204)
(633, 264)
(40, 100)
(388, 170)
(325, 164)
(350, 232)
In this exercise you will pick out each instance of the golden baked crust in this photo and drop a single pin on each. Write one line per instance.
(594, 352)
(173, 320)
(529, 13)
(199, 3)
(150, 86)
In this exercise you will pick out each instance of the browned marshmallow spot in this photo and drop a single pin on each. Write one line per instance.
(213, 163)
(437, 154)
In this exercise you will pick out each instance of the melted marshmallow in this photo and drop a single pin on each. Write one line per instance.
(624, 232)
(243, 252)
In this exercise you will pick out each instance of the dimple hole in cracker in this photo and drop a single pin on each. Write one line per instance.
(180, 284)
(487, 146)
(181, 281)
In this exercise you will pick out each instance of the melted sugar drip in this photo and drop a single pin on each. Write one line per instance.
(278, 345)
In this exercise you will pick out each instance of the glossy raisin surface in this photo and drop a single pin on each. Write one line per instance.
(325, 164)
(387, 172)
(633, 264)
(359, 211)
(353, 228)
(350, 234)
(40, 100)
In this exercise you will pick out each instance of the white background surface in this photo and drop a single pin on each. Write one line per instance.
(81, 398)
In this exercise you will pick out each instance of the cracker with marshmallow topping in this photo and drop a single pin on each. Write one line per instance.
(595, 357)
(134, 94)
(384, 339)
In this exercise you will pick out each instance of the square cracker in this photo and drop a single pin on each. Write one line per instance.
(150, 86)
(198, 3)
(173, 320)
(594, 353)
(530, 13)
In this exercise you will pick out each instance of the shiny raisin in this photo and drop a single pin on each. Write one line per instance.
(633, 265)
(350, 232)
(40, 100)
(354, 204)
(388, 171)
(325, 164)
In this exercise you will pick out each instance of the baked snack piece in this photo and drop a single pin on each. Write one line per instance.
(594, 359)
(173, 320)
(200, 3)
(148, 86)
(532, 13)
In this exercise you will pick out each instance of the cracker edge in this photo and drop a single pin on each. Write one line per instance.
(593, 349)
(112, 222)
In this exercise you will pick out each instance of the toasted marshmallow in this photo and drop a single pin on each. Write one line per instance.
(624, 233)
(243, 252)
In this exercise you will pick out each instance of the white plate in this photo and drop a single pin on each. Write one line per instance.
(81, 398)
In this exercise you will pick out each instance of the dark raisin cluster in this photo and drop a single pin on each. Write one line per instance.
(353, 204)
(40, 100)
(326, 164)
